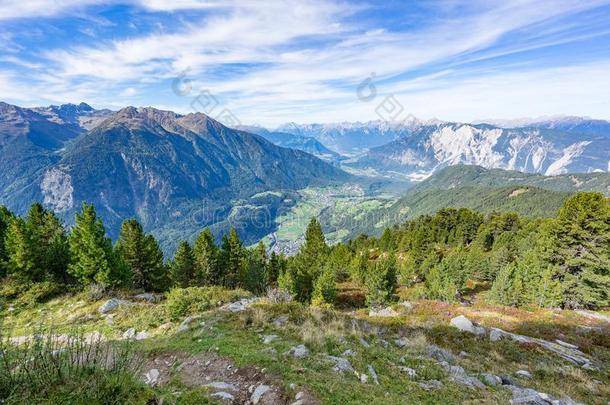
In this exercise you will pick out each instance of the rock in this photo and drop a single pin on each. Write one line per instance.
(129, 333)
(222, 386)
(508, 380)
(429, 385)
(401, 342)
(111, 305)
(465, 325)
(186, 323)
(526, 396)
(270, 350)
(594, 315)
(387, 312)
(566, 344)
(491, 379)
(341, 364)
(384, 343)
(269, 338)
(225, 396)
(364, 378)
(141, 335)
(299, 351)
(300, 395)
(459, 375)
(440, 354)
(524, 374)
(281, 320)
(259, 392)
(495, 335)
(373, 374)
(165, 327)
(406, 305)
(572, 355)
(148, 297)
(152, 377)
(348, 353)
(279, 296)
(411, 373)
(241, 305)
(94, 337)
(364, 342)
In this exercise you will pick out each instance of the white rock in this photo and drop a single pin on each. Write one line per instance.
(341, 364)
(524, 374)
(566, 344)
(401, 342)
(465, 325)
(241, 305)
(141, 335)
(111, 305)
(269, 338)
(259, 392)
(299, 351)
(225, 396)
(364, 378)
(495, 335)
(129, 333)
(152, 377)
(281, 320)
(373, 374)
(363, 342)
(148, 297)
(408, 371)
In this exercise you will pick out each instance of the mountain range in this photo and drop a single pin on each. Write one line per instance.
(175, 173)
(178, 173)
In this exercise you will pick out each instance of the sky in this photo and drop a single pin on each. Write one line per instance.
(269, 62)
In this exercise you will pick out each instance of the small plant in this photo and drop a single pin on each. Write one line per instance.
(55, 368)
(184, 301)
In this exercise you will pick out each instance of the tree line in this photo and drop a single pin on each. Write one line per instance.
(556, 262)
(37, 248)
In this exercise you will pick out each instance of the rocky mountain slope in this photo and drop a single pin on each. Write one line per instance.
(534, 150)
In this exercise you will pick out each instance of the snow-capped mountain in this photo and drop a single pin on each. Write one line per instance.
(352, 138)
(535, 150)
(572, 124)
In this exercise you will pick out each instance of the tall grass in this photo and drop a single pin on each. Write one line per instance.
(69, 369)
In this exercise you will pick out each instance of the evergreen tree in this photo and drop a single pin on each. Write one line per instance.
(92, 257)
(232, 259)
(50, 249)
(381, 282)
(142, 256)
(255, 277)
(5, 219)
(324, 289)
(275, 266)
(580, 249)
(183, 266)
(206, 253)
(20, 263)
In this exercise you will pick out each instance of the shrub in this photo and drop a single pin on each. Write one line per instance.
(185, 301)
(40, 292)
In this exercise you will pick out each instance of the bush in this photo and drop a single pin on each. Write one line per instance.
(185, 301)
(27, 294)
(59, 369)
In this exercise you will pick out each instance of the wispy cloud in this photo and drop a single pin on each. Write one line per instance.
(301, 60)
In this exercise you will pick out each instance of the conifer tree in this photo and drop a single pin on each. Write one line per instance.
(20, 262)
(206, 253)
(580, 248)
(5, 219)
(381, 281)
(93, 259)
(275, 267)
(50, 249)
(324, 289)
(232, 259)
(183, 266)
(142, 256)
(255, 277)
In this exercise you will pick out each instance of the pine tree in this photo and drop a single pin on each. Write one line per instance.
(20, 263)
(50, 250)
(325, 289)
(206, 253)
(143, 257)
(580, 248)
(232, 259)
(183, 266)
(255, 277)
(275, 267)
(93, 259)
(5, 219)
(381, 282)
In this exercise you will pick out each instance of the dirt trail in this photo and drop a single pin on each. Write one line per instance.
(230, 384)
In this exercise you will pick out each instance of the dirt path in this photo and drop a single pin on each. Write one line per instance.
(230, 384)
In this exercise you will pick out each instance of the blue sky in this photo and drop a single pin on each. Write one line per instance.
(269, 62)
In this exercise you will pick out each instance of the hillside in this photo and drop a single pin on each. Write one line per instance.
(481, 189)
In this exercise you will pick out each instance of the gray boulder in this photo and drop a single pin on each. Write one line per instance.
(465, 325)
(258, 393)
(111, 305)
(341, 364)
(299, 351)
